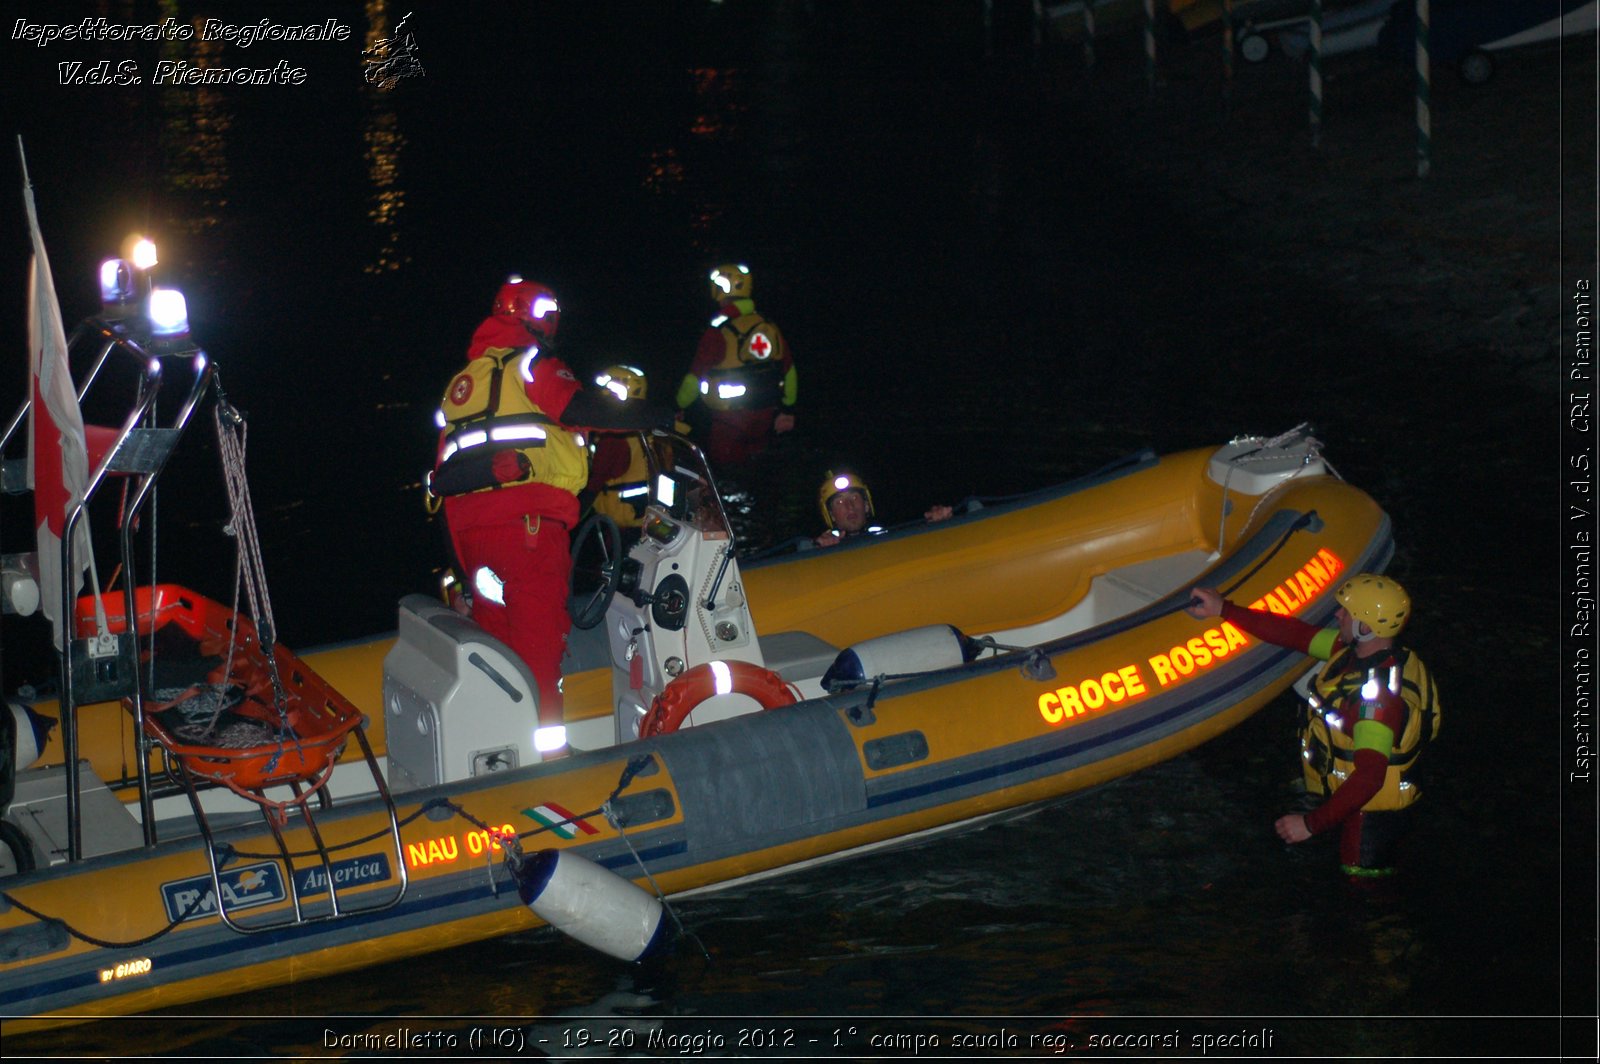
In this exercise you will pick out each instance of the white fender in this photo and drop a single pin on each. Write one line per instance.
(21, 591)
(934, 646)
(598, 908)
(32, 731)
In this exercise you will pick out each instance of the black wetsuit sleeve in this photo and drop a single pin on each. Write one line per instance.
(588, 411)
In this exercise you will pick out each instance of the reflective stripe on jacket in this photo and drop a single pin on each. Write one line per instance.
(487, 411)
(624, 499)
(750, 374)
(1343, 687)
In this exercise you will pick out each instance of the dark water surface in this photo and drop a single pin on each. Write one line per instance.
(982, 298)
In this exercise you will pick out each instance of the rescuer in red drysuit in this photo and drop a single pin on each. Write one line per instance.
(742, 373)
(509, 466)
(1372, 709)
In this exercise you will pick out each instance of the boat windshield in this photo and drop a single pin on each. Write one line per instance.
(681, 485)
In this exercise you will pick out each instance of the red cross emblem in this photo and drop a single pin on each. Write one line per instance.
(760, 346)
(461, 389)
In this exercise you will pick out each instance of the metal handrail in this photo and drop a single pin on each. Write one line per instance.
(202, 380)
(150, 388)
(113, 337)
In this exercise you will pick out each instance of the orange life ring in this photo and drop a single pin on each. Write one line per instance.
(673, 705)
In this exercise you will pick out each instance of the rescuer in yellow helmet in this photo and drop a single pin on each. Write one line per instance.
(1373, 706)
(742, 374)
(619, 473)
(846, 505)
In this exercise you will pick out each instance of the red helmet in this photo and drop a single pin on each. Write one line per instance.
(532, 302)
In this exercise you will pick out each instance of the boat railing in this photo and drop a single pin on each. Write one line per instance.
(275, 815)
(101, 666)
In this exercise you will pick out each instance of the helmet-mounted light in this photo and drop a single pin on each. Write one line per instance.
(542, 306)
(835, 484)
(623, 381)
(730, 280)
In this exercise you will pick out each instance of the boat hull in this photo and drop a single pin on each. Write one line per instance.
(763, 792)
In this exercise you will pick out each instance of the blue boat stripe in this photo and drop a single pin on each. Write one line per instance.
(193, 953)
(968, 777)
(189, 959)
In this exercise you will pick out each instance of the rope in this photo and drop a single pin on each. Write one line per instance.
(106, 943)
(226, 854)
(426, 807)
(249, 570)
(683, 932)
(1313, 450)
(512, 843)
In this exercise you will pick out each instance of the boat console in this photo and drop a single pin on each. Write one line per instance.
(460, 703)
(680, 601)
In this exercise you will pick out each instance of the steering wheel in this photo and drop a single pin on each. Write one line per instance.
(596, 561)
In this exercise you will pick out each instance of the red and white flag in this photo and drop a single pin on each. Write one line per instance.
(58, 461)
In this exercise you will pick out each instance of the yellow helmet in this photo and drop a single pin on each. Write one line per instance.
(1379, 602)
(623, 382)
(731, 280)
(837, 483)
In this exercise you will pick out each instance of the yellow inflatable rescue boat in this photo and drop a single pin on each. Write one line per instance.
(191, 829)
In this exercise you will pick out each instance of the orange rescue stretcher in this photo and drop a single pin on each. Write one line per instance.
(307, 735)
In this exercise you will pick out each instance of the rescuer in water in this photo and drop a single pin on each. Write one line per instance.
(509, 465)
(1373, 707)
(846, 504)
(742, 373)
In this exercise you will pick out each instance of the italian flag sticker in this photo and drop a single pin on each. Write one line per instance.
(562, 821)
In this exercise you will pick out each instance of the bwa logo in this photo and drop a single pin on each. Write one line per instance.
(242, 888)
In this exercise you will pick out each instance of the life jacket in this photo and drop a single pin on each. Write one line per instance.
(750, 375)
(486, 414)
(1327, 743)
(625, 498)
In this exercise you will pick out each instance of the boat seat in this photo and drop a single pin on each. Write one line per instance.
(460, 702)
(1132, 586)
(797, 656)
(1117, 593)
(39, 808)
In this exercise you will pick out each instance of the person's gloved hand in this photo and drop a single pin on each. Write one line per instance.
(509, 466)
